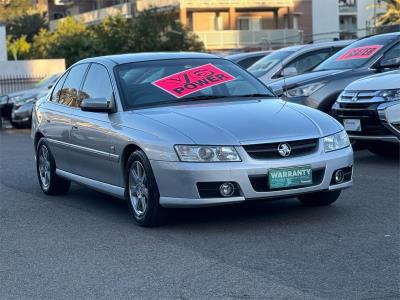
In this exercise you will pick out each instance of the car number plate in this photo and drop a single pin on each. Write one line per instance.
(352, 124)
(289, 177)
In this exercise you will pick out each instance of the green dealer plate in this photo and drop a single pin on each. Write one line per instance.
(281, 178)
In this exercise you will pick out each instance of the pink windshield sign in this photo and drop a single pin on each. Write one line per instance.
(360, 52)
(193, 80)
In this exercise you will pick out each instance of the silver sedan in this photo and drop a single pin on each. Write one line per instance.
(183, 130)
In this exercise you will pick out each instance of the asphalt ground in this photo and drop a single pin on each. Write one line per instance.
(83, 245)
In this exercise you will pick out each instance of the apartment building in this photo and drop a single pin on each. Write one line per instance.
(220, 24)
(232, 24)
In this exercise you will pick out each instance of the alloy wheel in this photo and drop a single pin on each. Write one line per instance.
(44, 167)
(138, 188)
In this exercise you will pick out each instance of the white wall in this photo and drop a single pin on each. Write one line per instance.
(36, 67)
(365, 13)
(3, 45)
(325, 17)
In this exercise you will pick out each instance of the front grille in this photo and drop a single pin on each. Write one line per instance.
(368, 115)
(260, 183)
(353, 96)
(270, 150)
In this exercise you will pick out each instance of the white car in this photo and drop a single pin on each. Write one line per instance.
(369, 109)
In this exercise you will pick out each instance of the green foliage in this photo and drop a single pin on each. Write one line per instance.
(71, 40)
(157, 31)
(18, 48)
(392, 14)
(27, 24)
(113, 36)
(149, 31)
(14, 8)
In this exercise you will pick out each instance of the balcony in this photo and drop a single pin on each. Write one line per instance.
(235, 3)
(348, 28)
(348, 9)
(95, 16)
(233, 39)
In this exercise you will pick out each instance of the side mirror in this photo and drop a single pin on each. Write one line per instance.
(289, 71)
(97, 105)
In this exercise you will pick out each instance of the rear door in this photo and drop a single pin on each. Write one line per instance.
(58, 113)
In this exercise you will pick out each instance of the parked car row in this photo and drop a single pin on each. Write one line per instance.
(17, 106)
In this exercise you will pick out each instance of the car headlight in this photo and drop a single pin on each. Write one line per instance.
(304, 90)
(336, 141)
(190, 153)
(390, 95)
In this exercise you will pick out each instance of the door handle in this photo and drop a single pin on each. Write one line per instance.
(74, 127)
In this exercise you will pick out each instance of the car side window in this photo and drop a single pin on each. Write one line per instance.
(392, 55)
(309, 61)
(97, 84)
(56, 91)
(69, 91)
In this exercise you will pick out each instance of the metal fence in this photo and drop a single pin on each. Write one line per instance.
(13, 83)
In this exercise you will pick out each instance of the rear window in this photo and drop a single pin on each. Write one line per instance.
(356, 55)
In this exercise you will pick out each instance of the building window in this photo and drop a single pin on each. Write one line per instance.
(243, 24)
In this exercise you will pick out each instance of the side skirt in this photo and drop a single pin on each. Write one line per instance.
(112, 190)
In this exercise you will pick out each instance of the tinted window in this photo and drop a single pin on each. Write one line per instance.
(97, 84)
(69, 92)
(265, 64)
(56, 92)
(309, 61)
(247, 62)
(356, 55)
(392, 56)
(172, 81)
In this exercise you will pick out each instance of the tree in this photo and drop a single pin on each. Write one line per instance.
(71, 40)
(18, 47)
(392, 14)
(10, 9)
(160, 31)
(28, 24)
(113, 36)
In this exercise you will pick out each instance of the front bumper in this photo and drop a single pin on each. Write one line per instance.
(177, 181)
(379, 121)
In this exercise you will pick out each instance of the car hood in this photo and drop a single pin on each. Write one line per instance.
(306, 78)
(243, 122)
(24, 94)
(386, 81)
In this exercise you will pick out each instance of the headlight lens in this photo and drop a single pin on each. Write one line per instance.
(336, 141)
(390, 95)
(190, 153)
(305, 90)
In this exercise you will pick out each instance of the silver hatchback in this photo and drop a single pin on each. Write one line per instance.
(182, 130)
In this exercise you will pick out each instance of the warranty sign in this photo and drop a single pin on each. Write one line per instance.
(193, 80)
(360, 52)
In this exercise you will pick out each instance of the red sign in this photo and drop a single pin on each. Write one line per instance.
(360, 52)
(193, 80)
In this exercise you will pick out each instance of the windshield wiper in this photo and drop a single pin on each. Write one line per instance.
(203, 97)
(255, 95)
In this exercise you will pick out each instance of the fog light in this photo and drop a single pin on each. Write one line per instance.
(226, 189)
(339, 176)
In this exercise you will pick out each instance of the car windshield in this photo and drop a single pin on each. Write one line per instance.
(355, 55)
(265, 64)
(164, 82)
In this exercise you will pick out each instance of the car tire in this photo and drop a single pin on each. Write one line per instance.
(49, 181)
(384, 149)
(320, 198)
(141, 193)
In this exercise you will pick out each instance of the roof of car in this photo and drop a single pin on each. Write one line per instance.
(247, 54)
(148, 56)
